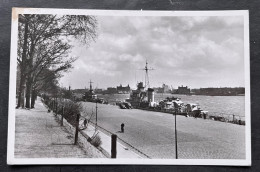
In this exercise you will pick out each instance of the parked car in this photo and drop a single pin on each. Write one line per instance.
(128, 105)
(122, 106)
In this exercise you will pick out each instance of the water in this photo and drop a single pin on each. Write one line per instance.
(227, 105)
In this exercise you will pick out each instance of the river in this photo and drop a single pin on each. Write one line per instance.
(227, 105)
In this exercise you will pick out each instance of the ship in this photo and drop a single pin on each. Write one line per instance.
(90, 95)
(138, 96)
(143, 98)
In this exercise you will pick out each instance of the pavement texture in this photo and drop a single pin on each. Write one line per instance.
(153, 133)
(38, 135)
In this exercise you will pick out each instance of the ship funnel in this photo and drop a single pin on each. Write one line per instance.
(150, 95)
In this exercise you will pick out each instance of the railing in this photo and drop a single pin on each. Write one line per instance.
(77, 123)
(218, 116)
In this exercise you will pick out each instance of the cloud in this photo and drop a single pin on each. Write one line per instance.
(183, 50)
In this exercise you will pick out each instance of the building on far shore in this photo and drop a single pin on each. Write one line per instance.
(111, 90)
(98, 91)
(123, 90)
(183, 90)
(164, 89)
(224, 91)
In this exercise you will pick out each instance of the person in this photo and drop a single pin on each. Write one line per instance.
(204, 115)
(196, 113)
(85, 122)
(122, 127)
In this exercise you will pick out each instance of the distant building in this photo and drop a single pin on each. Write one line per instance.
(111, 90)
(195, 91)
(224, 91)
(164, 89)
(98, 90)
(183, 90)
(123, 90)
(80, 90)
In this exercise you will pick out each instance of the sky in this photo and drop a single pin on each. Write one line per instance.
(190, 51)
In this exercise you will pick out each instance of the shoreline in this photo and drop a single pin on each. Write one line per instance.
(235, 119)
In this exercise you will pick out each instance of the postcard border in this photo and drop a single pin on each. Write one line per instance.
(11, 160)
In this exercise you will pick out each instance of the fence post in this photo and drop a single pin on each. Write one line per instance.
(233, 118)
(62, 113)
(113, 145)
(77, 130)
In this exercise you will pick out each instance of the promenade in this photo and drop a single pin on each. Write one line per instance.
(153, 133)
(39, 135)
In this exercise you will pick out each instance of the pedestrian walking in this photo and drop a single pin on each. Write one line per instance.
(122, 128)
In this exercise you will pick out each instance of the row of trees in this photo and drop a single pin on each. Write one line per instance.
(44, 44)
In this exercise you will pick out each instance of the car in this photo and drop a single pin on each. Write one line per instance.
(122, 106)
(128, 105)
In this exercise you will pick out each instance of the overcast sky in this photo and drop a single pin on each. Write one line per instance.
(193, 51)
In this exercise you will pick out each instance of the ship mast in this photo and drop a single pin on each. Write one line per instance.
(146, 69)
(90, 86)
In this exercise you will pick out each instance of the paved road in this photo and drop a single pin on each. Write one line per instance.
(153, 133)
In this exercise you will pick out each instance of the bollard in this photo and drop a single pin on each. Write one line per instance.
(113, 145)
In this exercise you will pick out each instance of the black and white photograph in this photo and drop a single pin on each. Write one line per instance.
(129, 87)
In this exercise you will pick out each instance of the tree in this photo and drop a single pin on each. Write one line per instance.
(45, 82)
(44, 42)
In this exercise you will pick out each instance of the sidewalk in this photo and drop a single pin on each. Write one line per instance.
(122, 151)
(38, 135)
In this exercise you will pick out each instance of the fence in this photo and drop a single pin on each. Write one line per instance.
(222, 117)
(216, 116)
(68, 115)
(65, 113)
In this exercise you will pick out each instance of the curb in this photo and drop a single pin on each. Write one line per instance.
(124, 142)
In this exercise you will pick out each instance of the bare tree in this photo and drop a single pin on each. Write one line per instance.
(44, 42)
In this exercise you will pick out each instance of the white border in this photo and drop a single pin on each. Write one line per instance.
(12, 90)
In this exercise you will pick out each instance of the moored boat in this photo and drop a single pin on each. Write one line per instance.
(90, 96)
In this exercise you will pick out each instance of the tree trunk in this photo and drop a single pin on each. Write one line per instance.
(29, 82)
(34, 95)
(28, 92)
(21, 91)
(22, 68)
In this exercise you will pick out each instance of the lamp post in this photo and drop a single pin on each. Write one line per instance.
(96, 114)
(63, 106)
(175, 130)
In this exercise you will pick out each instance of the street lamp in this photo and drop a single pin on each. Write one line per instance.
(96, 115)
(175, 129)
